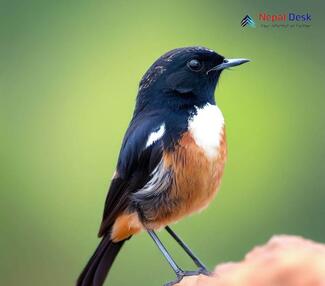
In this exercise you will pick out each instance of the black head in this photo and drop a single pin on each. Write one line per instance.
(182, 78)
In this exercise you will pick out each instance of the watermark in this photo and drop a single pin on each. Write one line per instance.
(281, 20)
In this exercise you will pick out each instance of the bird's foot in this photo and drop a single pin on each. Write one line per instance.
(182, 274)
(204, 271)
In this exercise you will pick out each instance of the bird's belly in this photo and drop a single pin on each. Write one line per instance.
(196, 178)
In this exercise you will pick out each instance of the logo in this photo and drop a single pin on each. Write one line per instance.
(247, 21)
(279, 20)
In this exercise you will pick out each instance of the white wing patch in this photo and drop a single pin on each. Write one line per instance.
(155, 136)
(206, 127)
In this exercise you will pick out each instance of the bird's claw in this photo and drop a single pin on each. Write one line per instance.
(182, 274)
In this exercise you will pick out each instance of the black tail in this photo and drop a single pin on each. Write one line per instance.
(99, 264)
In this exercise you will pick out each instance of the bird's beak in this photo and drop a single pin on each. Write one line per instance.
(228, 63)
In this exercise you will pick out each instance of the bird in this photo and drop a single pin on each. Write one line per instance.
(171, 160)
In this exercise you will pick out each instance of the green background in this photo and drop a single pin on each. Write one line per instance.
(69, 72)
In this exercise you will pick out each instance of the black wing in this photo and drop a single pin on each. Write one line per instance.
(135, 164)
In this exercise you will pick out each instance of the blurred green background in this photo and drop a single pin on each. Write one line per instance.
(69, 72)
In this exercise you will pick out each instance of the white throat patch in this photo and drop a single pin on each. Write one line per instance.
(206, 127)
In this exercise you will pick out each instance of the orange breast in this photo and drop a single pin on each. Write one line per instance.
(195, 181)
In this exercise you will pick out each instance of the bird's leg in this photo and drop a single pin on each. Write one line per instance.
(179, 272)
(196, 260)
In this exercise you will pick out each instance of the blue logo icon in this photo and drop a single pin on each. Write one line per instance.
(247, 21)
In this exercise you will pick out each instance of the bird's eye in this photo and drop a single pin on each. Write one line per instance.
(194, 65)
